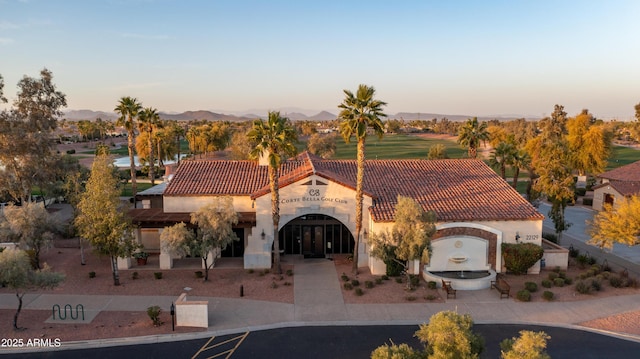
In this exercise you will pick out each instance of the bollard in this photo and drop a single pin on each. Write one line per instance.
(173, 315)
(241, 290)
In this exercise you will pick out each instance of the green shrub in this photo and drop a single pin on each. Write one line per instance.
(399, 280)
(596, 268)
(553, 276)
(520, 257)
(359, 292)
(154, 314)
(581, 191)
(199, 274)
(558, 282)
(582, 260)
(592, 260)
(92, 274)
(266, 271)
(355, 282)
(568, 281)
(289, 272)
(410, 298)
(415, 280)
(250, 271)
(348, 286)
(557, 269)
(432, 285)
(71, 151)
(531, 286)
(286, 284)
(547, 295)
(274, 285)
(573, 252)
(583, 287)
(546, 283)
(378, 280)
(394, 268)
(551, 237)
(616, 281)
(135, 275)
(596, 285)
(344, 277)
(523, 295)
(430, 297)
(368, 284)
(385, 277)
(562, 274)
(587, 201)
(157, 275)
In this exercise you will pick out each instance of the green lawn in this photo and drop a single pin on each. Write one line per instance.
(396, 146)
(126, 191)
(621, 156)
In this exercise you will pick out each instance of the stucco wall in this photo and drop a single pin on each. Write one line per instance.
(302, 198)
(600, 193)
(188, 204)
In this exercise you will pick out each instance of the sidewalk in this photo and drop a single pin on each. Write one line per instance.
(318, 301)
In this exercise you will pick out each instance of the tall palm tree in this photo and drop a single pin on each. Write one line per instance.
(520, 160)
(471, 134)
(359, 113)
(275, 138)
(149, 121)
(501, 156)
(128, 108)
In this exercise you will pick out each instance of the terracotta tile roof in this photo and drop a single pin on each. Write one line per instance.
(457, 190)
(624, 188)
(194, 178)
(157, 215)
(626, 173)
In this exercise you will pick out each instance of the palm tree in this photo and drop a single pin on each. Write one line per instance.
(520, 160)
(471, 134)
(275, 138)
(501, 156)
(357, 114)
(128, 108)
(149, 121)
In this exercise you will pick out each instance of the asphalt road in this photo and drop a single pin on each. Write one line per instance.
(347, 342)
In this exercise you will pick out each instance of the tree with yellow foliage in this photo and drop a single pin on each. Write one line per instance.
(617, 225)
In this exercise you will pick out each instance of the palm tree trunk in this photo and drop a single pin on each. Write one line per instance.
(114, 270)
(131, 145)
(275, 212)
(151, 161)
(359, 184)
(515, 177)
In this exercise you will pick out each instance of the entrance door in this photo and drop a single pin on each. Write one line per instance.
(313, 241)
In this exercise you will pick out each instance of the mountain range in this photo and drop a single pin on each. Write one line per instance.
(75, 115)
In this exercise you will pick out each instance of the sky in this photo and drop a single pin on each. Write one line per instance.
(476, 58)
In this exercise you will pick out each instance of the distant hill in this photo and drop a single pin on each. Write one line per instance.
(204, 115)
(75, 115)
(429, 116)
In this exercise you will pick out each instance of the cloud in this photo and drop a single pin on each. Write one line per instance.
(145, 37)
(5, 41)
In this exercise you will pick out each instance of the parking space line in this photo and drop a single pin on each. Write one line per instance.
(228, 352)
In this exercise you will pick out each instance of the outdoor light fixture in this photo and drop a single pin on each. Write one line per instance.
(262, 235)
(517, 237)
(365, 234)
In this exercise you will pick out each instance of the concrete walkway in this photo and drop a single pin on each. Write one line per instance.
(318, 301)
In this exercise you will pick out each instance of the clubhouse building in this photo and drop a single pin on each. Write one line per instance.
(476, 209)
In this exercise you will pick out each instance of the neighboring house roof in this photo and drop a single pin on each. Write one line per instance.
(456, 189)
(624, 188)
(626, 173)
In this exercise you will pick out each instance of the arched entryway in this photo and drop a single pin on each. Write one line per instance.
(315, 236)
